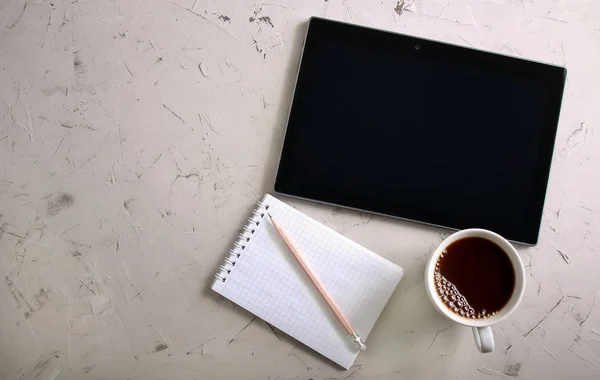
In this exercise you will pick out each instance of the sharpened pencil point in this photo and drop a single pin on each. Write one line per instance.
(270, 217)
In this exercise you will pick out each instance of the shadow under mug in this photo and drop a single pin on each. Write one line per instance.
(484, 339)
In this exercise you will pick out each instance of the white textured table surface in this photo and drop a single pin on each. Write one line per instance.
(136, 135)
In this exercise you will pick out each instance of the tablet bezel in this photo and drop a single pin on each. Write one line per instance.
(554, 75)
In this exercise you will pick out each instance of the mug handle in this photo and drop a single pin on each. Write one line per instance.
(484, 339)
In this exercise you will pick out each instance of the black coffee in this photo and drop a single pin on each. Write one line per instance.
(474, 277)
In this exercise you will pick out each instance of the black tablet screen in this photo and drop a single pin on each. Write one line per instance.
(421, 130)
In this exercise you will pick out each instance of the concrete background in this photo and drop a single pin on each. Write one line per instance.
(135, 136)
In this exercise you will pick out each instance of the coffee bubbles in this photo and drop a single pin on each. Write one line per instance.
(455, 301)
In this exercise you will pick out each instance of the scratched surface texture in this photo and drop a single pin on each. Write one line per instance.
(135, 136)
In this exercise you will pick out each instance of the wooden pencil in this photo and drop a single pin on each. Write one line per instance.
(334, 307)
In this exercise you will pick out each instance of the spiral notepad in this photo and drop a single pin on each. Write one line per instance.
(262, 276)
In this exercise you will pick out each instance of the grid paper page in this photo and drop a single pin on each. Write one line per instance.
(268, 281)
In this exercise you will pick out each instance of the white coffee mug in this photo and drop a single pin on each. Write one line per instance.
(484, 339)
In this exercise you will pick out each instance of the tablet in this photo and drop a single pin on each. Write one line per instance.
(421, 130)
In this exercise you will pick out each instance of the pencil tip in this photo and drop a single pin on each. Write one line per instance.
(270, 217)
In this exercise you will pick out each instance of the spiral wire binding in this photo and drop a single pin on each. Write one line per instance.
(244, 238)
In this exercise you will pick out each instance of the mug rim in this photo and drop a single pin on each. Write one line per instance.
(515, 259)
